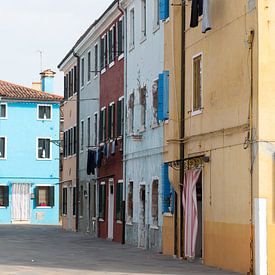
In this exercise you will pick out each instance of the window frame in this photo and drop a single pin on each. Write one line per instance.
(156, 21)
(119, 209)
(51, 112)
(6, 111)
(101, 203)
(96, 60)
(143, 20)
(5, 199)
(198, 111)
(5, 148)
(37, 143)
(49, 187)
(122, 22)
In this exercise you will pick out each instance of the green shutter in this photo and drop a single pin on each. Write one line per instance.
(37, 196)
(119, 118)
(6, 196)
(51, 196)
(101, 126)
(109, 121)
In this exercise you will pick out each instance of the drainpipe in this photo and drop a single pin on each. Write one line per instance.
(182, 124)
(77, 147)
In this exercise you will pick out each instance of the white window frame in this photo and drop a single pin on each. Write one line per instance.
(6, 147)
(5, 117)
(96, 67)
(89, 79)
(45, 105)
(197, 112)
(43, 159)
(143, 20)
(156, 23)
(132, 29)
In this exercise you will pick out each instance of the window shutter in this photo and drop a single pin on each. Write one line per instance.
(51, 196)
(37, 196)
(164, 9)
(166, 94)
(75, 79)
(122, 116)
(6, 196)
(160, 96)
(65, 87)
(103, 201)
(119, 120)
(165, 189)
(101, 126)
(102, 53)
(110, 121)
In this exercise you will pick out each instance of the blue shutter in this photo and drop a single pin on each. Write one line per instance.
(165, 95)
(164, 9)
(172, 204)
(160, 96)
(165, 189)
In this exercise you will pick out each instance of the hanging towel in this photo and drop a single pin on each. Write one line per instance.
(196, 11)
(98, 157)
(189, 201)
(206, 23)
(108, 150)
(91, 162)
(113, 147)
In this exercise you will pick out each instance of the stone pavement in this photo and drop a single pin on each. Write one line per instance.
(28, 249)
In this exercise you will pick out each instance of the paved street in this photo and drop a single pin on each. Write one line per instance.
(28, 249)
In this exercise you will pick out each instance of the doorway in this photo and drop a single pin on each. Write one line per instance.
(199, 244)
(20, 202)
(70, 210)
(142, 225)
(111, 210)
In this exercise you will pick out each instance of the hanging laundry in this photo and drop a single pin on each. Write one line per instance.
(200, 7)
(113, 147)
(98, 157)
(91, 162)
(105, 149)
(108, 150)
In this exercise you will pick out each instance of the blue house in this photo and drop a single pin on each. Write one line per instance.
(29, 157)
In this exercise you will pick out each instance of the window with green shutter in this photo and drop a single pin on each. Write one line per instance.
(119, 199)
(102, 196)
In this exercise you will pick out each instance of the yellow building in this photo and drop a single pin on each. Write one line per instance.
(228, 132)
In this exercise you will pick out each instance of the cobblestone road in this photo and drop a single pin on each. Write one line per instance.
(26, 249)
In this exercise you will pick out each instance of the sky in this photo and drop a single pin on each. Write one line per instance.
(28, 27)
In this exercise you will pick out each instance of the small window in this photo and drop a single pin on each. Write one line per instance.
(111, 40)
(131, 104)
(142, 99)
(143, 19)
(130, 202)
(132, 28)
(44, 148)
(155, 202)
(120, 37)
(96, 60)
(89, 67)
(75, 79)
(3, 110)
(74, 140)
(3, 145)
(197, 84)
(44, 112)
(155, 102)
(4, 196)
(82, 71)
(82, 136)
(64, 201)
(102, 196)
(45, 196)
(119, 199)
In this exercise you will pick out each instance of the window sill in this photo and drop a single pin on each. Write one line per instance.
(44, 159)
(131, 47)
(43, 207)
(120, 57)
(156, 227)
(101, 220)
(64, 215)
(111, 64)
(3, 207)
(95, 77)
(103, 71)
(156, 28)
(44, 119)
(143, 39)
(3, 158)
(197, 112)
(129, 223)
(89, 82)
(119, 222)
(3, 118)
(167, 214)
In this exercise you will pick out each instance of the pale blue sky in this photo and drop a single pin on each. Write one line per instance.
(51, 26)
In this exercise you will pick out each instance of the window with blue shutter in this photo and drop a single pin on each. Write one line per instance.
(166, 195)
(164, 9)
(163, 96)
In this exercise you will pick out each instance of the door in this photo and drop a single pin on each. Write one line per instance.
(21, 202)
(142, 207)
(70, 209)
(111, 210)
(200, 228)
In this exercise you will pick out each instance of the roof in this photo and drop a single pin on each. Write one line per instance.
(14, 91)
(86, 33)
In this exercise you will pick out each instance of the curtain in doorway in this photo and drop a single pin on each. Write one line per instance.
(189, 201)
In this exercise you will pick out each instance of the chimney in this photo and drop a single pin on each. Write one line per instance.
(36, 86)
(47, 80)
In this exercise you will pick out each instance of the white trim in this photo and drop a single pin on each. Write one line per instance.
(46, 184)
(103, 108)
(103, 71)
(121, 56)
(102, 183)
(37, 158)
(6, 148)
(121, 98)
(6, 104)
(51, 112)
(197, 112)
(111, 64)
(43, 207)
(112, 103)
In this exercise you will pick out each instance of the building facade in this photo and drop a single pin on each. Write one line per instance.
(143, 151)
(69, 144)
(29, 158)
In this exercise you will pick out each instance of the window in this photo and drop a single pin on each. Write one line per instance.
(64, 201)
(71, 83)
(95, 128)
(89, 67)
(45, 196)
(74, 140)
(120, 37)
(130, 202)
(94, 201)
(111, 120)
(44, 112)
(89, 131)
(131, 113)
(82, 136)
(96, 60)
(167, 191)
(163, 96)
(156, 14)
(164, 9)
(102, 53)
(143, 19)
(102, 195)
(155, 202)
(142, 99)
(4, 196)
(70, 132)
(3, 147)
(155, 102)
(75, 79)
(119, 199)
(81, 201)
(197, 84)
(82, 72)
(66, 91)
(44, 148)
(102, 127)
(3, 110)
(132, 28)
(74, 201)
(111, 38)
(120, 117)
